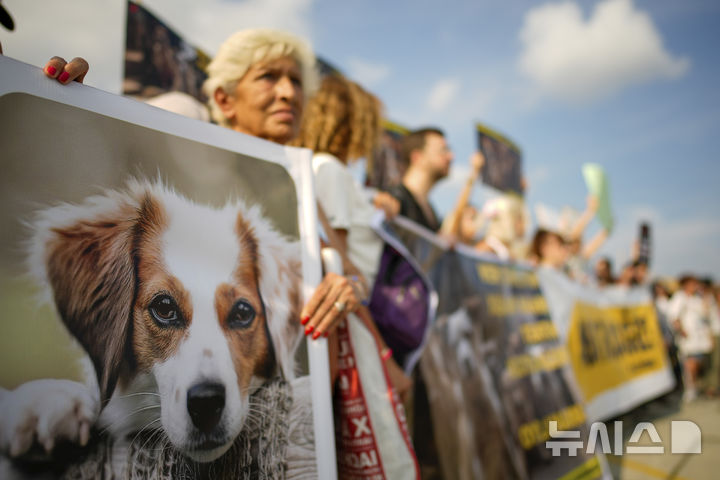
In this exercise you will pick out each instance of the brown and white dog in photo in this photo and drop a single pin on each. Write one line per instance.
(184, 311)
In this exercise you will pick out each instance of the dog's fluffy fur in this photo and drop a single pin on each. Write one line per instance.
(164, 295)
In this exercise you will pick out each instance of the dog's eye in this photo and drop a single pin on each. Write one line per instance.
(165, 311)
(241, 315)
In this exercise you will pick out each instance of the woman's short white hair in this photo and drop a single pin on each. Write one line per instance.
(247, 47)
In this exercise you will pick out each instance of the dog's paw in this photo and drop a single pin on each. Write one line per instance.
(45, 411)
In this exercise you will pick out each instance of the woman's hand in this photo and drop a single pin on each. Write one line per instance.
(66, 72)
(334, 298)
(477, 160)
(387, 203)
(400, 382)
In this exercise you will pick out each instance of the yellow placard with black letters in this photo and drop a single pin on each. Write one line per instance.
(612, 345)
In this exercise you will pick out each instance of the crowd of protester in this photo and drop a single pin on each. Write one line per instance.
(258, 71)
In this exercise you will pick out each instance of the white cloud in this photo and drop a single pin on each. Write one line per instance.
(577, 60)
(442, 94)
(367, 73)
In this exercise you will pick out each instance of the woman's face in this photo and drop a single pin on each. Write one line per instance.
(268, 100)
(554, 251)
(602, 270)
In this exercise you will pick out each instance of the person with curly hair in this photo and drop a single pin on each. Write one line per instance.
(341, 125)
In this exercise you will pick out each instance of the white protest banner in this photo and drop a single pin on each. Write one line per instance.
(613, 336)
(87, 171)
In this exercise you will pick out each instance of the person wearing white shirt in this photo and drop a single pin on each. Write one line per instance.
(689, 317)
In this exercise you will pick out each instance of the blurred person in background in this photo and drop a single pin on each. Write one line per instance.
(641, 268)
(465, 221)
(578, 266)
(342, 125)
(688, 316)
(626, 277)
(426, 158)
(661, 301)
(633, 274)
(707, 292)
(603, 272)
(505, 218)
(549, 249)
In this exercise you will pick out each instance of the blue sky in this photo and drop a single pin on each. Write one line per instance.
(629, 84)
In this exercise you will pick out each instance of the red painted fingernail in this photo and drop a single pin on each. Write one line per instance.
(305, 319)
(64, 76)
(316, 335)
(51, 70)
(326, 334)
(309, 329)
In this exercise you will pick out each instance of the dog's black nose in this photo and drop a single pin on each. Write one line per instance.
(205, 403)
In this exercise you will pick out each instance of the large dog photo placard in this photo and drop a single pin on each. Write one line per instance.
(153, 272)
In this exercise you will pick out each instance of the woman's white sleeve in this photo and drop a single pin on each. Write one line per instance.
(332, 187)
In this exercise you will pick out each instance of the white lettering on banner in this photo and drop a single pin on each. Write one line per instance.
(346, 362)
(361, 426)
(686, 438)
(355, 409)
(344, 349)
(343, 382)
(361, 460)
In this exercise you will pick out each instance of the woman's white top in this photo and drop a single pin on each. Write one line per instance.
(347, 207)
(693, 316)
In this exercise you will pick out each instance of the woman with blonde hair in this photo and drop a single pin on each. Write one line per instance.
(258, 84)
(259, 81)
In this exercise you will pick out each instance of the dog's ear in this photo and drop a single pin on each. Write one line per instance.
(284, 318)
(280, 281)
(85, 255)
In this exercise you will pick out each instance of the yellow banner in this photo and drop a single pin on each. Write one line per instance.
(613, 345)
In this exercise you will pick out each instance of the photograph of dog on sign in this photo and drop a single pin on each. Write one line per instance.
(153, 313)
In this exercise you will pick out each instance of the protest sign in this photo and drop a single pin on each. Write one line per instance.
(384, 169)
(644, 243)
(94, 154)
(503, 161)
(597, 185)
(495, 368)
(158, 59)
(615, 345)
